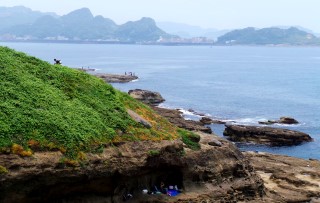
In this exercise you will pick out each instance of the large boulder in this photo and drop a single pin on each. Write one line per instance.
(146, 96)
(265, 135)
(288, 120)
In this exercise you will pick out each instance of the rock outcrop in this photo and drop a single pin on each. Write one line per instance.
(175, 117)
(136, 117)
(282, 120)
(146, 96)
(207, 121)
(113, 78)
(265, 135)
(288, 179)
(212, 174)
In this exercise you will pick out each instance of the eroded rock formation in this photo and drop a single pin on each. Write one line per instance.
(265, 135)
(212, 174)
(288, 179)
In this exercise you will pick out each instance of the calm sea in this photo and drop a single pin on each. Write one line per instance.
(244, 84)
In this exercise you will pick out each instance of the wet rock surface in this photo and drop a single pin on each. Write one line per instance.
(212, 174)
(146, 96)
(288, 179)
(265, 135)
(175, 117)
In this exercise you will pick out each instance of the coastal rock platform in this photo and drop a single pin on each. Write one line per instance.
(114, 78)
(265, 135)
(288, 179)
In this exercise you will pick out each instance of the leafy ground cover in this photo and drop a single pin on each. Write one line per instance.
(53, 107)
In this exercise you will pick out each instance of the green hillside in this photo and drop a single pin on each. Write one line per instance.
(52, 107)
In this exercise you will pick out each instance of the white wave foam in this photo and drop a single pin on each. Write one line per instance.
(136, 80)
(245, 121)
(166, 106)
(186, 112)
(289, 125)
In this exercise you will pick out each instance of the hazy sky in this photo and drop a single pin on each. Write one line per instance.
(205, 13)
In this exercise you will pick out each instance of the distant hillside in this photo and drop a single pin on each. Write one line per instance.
(79, 25)
(266, 36)
(189, 31)
(19, 15)
(52, 107)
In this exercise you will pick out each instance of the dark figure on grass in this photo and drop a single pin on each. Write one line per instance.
(57, 62)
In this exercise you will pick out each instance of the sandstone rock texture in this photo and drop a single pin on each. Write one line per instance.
(212, 174)
(288, 179)
(114, 78)
(265, 135)
(146, 96)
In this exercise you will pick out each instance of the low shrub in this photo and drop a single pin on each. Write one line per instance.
(190, 139)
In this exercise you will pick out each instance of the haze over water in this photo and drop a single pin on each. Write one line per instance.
(245, 84)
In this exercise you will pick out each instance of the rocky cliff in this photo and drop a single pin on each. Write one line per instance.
(212, 174)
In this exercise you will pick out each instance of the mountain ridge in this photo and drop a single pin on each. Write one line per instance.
(79, 25)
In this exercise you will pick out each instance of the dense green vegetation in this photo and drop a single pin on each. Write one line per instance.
(52, 107)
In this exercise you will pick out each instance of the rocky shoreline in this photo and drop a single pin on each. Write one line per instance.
(111, 78)
(286, 179)
(217, 172)
(114, 78)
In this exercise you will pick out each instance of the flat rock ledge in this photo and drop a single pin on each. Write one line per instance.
(114, 78)
(265, 135)
(287, 179)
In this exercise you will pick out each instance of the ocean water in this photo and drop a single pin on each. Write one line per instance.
(243, 84)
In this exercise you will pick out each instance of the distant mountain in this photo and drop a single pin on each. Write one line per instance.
(19, 15)
(189, 31)
(80, 25)
(266, 36)
(144, 29)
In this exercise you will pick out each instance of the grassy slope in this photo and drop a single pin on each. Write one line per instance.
(45, 106)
